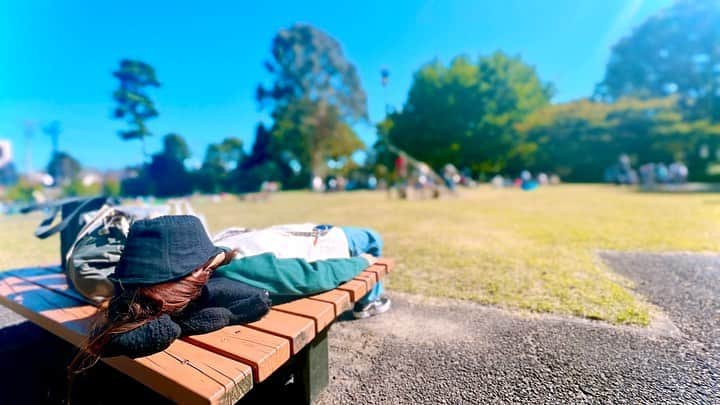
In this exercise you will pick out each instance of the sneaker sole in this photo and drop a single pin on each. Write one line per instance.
(372, 312)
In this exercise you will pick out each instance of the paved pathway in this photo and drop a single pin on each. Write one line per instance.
(430, 351)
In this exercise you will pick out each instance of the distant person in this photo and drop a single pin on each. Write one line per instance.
(332, 184)
(678, 173)
(543, 179)
(683, 172)
(466, 178)
(341, 183)
(317, 184)
(661, 173)
(647, 174)
(401, 167)
(372, 182)
(450, 176)
(498, 181)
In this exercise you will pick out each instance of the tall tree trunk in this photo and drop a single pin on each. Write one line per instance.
(143, 147)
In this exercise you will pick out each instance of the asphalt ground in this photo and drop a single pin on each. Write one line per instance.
(441, 351)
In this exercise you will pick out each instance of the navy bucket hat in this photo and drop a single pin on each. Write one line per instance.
(163, 249)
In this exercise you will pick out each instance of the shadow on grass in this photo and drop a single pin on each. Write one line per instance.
(688, 188)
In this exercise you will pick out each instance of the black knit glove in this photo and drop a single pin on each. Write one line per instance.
(223, 292)
(223, 302)
(247, 304)
(249, 309)
(197, 321)
(152, 337)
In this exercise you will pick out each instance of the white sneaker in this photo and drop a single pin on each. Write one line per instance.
(373, 308)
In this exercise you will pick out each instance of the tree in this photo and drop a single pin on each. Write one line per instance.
(305, 138)
(221, 159)
(261, 165)
(168, 176)
(165, 175)
(63, 167)
(465, 113)
(308, 64)
(175, 147)
(580, 139)
(314, 97)
(166, 170)
(22, 191)
(77, 187)
(133, 103)
(676, 52)
(261, 149)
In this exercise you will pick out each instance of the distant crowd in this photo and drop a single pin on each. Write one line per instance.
(648, 174)
(415, 179)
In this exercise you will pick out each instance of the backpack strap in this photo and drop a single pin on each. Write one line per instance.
(46, 229)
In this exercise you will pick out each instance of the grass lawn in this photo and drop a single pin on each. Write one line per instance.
(516, 249)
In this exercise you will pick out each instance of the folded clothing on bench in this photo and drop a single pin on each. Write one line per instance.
(223, 302)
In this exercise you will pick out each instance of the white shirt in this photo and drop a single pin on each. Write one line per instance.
(298, 241)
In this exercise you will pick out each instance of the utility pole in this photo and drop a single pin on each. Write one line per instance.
(53, 130)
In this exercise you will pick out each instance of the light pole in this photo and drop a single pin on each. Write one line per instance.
(384, 80)
(29, 130)
(53, 130)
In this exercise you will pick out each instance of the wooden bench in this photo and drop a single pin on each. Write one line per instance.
(215, 368)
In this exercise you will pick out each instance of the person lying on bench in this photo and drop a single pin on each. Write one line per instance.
(296, 260)
(164, 289)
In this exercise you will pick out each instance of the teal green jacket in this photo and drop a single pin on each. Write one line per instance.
(291, 278)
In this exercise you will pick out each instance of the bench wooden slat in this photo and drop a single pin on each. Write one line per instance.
(182, 373)
(387, 263)
(190, 365)
(373, 274)
(339, 298)
(323, 313)
(379, 271)
(299, 330)
(65, 314)
(51, 278)
(264, 352)
(369, 278)
(357, 289)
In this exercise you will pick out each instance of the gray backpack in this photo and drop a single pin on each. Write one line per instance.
(100, 243)
(96, 251)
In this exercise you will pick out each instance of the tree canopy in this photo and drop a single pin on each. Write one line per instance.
(465, 113)
(675, 52)
(63, 167)
(221, 160)
(308, 64)
(174, 146)
(580, 139)
(165, 175)
(133, 104)
(315, 97)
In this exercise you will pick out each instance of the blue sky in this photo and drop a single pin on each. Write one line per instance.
(56, 58)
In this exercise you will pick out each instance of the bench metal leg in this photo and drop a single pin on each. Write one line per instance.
(300, 381)
(313, 372)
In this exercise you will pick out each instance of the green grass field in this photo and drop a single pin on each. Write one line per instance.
(534, 251)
